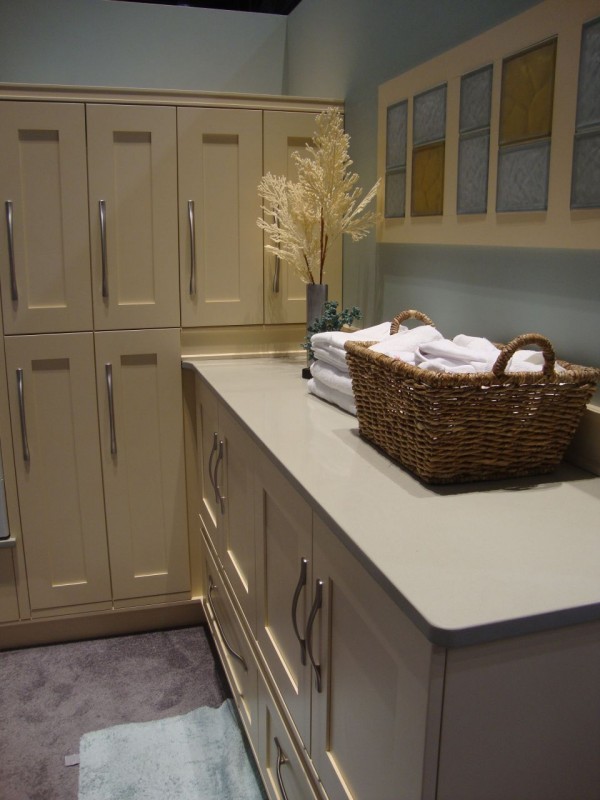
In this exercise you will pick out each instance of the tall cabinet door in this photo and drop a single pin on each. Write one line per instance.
(220, 166)
(132, 157)
(44, 240)
(52, 388)
(141, 427)
(283, 578)
(286, 132)
(376, 707)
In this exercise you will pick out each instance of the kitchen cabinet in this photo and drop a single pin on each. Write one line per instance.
(141, 433)
(44, 235)
(132, 166)
(9, 604)
(53, 406)
(220, 166)
(287, 132)
(226, 464)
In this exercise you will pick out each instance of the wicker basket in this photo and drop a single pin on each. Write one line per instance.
(448, 427)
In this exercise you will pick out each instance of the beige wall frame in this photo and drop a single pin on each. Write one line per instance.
(559, 225)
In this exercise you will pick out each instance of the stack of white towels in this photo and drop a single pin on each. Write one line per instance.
(423, 346)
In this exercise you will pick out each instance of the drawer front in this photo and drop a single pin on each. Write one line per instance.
(233, 646)
(283, 769)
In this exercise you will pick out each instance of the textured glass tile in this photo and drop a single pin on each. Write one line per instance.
(427, 189)
(588, 96)
(527, 94)
(473, 158)
(395, 154)
(585, 190)
(395, 194)
(523, 177)
(429, 116)
(476, 99)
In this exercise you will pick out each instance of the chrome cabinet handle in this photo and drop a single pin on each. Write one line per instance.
(211, 589)
(212, 455)
(281, 760)
(21, 394)
(102, 213)
(276, 275)
(192, 246)
(14, 293)
(220, 497)
(299, 586)
(318, 602)
(111, 409)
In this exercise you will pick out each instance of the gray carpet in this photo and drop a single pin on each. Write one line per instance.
(50, 696)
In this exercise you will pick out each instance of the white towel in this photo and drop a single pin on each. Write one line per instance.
(467, 354)
(406, 341)
(332, 377)
(337, 339)
(331, 355)
(325, 392)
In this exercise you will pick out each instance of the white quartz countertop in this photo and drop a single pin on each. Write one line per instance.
(467, 563)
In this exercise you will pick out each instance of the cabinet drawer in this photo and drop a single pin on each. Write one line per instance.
(233, 646)
(282, 767)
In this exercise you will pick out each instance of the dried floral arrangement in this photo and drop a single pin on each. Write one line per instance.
(303, 218)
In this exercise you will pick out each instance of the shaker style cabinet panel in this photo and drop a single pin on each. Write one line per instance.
(9, 604)
(141, 427)
(52, 390)
(286, 132)
(227, 462)
(132, 162)
(44, 233)
(220, 166)
(377, 685)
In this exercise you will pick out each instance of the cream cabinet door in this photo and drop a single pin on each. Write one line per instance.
(141, 425)
(44, 234)
(284, 576)
(9, 605)
(207, 444)
(132, 162)
(286, 132)
(220, 166)
(52, 389)
(376, 705)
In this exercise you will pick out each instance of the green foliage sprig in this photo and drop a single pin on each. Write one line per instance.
(330, 321)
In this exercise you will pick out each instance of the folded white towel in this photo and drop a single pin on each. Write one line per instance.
(406, 341)
(467, 354)
(332, 377)
(331, 355)
(337, 339)
(325, 392)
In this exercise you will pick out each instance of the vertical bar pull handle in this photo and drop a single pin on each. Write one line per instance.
(192, 225)
(20, 392)
(102, 214)
(14, 293)
(318, 602)
(215, 445)
(111, 408)
(276, 275)
(299, 586)
(281, 760)
(212, 588)
(220, 497)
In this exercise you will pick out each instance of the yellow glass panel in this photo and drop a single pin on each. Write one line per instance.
(527, 94)
(427, 190)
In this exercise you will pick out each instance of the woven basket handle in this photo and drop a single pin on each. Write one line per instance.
(518, 344)
(404, 315)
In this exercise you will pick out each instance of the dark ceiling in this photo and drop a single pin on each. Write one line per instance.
(261, 6)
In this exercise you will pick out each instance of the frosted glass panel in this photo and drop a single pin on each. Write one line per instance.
(585, 191)
(395, 194)
(476, 100)
(429, 112)
(588, 99)
(523, 177)
(473, 158)
(396, 135)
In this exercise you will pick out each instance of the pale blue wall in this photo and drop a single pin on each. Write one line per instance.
(347, 48)
(102, 43)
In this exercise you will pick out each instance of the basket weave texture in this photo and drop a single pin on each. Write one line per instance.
(452, 428)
